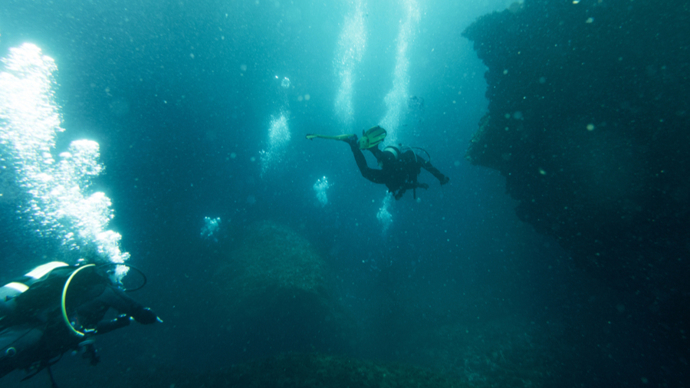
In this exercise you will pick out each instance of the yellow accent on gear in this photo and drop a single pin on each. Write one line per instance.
(64, 297)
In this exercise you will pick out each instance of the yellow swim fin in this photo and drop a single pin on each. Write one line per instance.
(372, 137)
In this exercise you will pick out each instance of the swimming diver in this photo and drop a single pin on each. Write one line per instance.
(56, 308)
(400, 166)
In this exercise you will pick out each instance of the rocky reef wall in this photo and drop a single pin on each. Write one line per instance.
(589, 122)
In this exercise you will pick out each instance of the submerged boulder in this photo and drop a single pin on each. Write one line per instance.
(275, 294)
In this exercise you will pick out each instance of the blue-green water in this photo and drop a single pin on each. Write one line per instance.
(194, 117)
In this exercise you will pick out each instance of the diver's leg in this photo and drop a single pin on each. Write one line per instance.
(369, 173)
(377, 152)
(359, 158)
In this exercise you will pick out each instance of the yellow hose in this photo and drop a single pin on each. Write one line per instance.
(64, 297)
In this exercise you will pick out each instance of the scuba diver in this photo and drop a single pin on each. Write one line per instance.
(56, 308)
(400, 166)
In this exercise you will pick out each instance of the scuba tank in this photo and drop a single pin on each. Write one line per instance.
(400, 150)
(10, 291)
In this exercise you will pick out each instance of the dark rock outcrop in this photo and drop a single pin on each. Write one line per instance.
(589, 122)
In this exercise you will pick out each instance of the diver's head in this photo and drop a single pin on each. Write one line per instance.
(389, 155)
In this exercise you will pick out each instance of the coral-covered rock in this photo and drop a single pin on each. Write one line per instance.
(275, 293)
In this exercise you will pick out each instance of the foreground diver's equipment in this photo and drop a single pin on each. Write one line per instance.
(89, 352)
(12, 290)
(37, 367)
(64, 297)
(372, 137)
(66, 287)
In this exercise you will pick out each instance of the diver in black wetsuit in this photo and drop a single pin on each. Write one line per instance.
(400, 167)
(56, 308)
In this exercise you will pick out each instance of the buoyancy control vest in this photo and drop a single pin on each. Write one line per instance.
(9, 293)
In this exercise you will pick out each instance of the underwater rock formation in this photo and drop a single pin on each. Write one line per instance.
(275, 294)
(589, 111)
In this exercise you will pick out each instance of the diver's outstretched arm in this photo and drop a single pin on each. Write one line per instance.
(115, 298)
(435, 172)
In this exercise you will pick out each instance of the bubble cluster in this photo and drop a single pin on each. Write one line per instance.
(211, 227)
(351, 45)
(55, 193)
(396, 99)
(384, 216)
(321, 186)
(278, 138)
